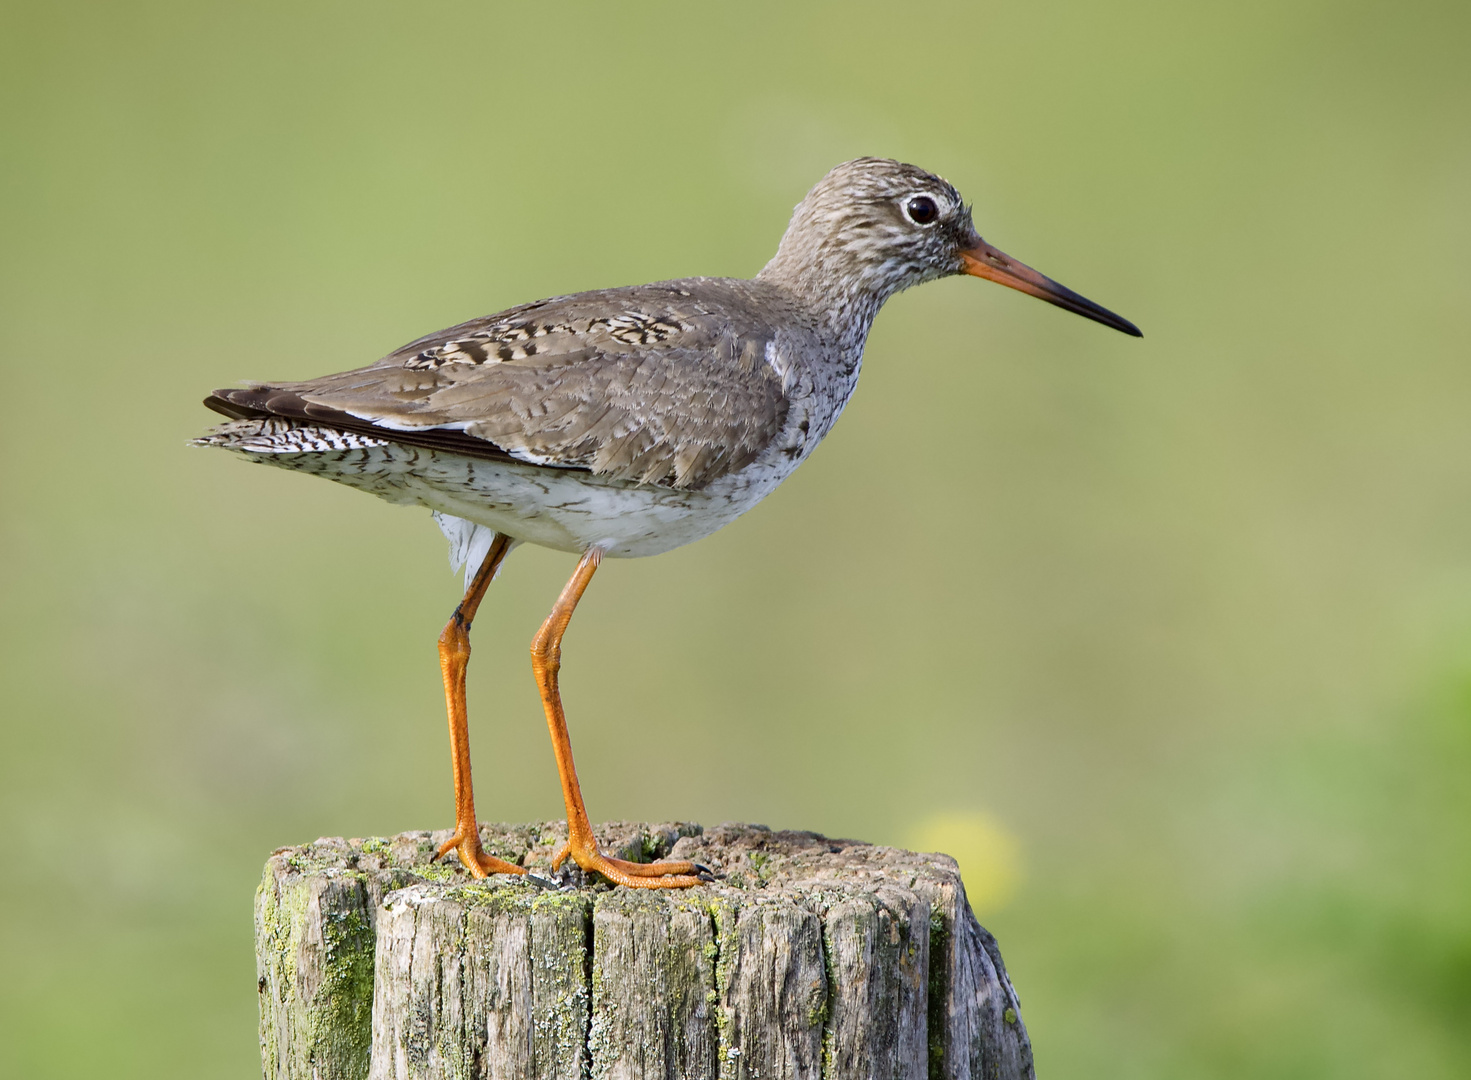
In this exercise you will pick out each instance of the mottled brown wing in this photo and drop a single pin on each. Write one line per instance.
(653, 384)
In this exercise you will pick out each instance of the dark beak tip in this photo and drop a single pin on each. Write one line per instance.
(984, 261)
(1105, 317)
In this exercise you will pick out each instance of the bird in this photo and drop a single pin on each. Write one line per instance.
(622, 423)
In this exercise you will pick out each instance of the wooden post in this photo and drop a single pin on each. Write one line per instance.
(809, 958)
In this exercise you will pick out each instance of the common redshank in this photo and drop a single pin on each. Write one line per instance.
(622, 422)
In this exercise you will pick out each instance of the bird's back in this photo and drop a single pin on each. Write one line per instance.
(676, 383)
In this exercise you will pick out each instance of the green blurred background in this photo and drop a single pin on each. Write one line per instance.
(1173, 637)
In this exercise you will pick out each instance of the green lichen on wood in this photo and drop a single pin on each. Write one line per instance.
(811, 955)
(652, 979)
(723, 918)
(280, 916)
(829, 1033)
(939, 990)
(316, 982)
(561, 941)
(343, 1018)
(760, 865)
(819, 1009)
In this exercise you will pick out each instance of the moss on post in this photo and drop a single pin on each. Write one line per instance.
(809, 958)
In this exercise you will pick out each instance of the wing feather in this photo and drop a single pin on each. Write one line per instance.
(648, 384)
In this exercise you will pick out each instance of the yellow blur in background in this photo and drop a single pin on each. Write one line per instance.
(989, 856)
(1189, 617)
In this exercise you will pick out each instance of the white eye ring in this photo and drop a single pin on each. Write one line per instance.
(922, 210)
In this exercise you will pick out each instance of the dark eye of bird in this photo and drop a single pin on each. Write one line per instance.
(922, 210)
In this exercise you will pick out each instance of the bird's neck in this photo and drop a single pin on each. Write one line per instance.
(842, 301)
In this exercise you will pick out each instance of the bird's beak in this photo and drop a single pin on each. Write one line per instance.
(984, 261)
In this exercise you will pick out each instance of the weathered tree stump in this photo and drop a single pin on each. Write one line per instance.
(809, 958)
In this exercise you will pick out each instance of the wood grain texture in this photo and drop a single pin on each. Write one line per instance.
(809, 958)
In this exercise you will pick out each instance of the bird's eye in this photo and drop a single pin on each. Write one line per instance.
(922, 210)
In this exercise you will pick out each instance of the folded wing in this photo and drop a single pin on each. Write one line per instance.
(646, 385)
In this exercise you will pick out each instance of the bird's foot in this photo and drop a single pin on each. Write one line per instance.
(466, 844)
(679, 874)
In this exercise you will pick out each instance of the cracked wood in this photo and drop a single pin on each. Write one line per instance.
(810, 958)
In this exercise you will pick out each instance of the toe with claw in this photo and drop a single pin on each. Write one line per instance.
(680, 874)
(466, 844)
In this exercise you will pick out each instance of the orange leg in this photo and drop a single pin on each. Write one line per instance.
(546, 661)
(454, 658)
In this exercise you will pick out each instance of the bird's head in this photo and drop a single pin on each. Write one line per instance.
(873, 226)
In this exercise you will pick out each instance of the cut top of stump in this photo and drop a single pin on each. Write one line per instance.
(807, 958)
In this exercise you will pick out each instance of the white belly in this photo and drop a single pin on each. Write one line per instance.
(566, 510)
